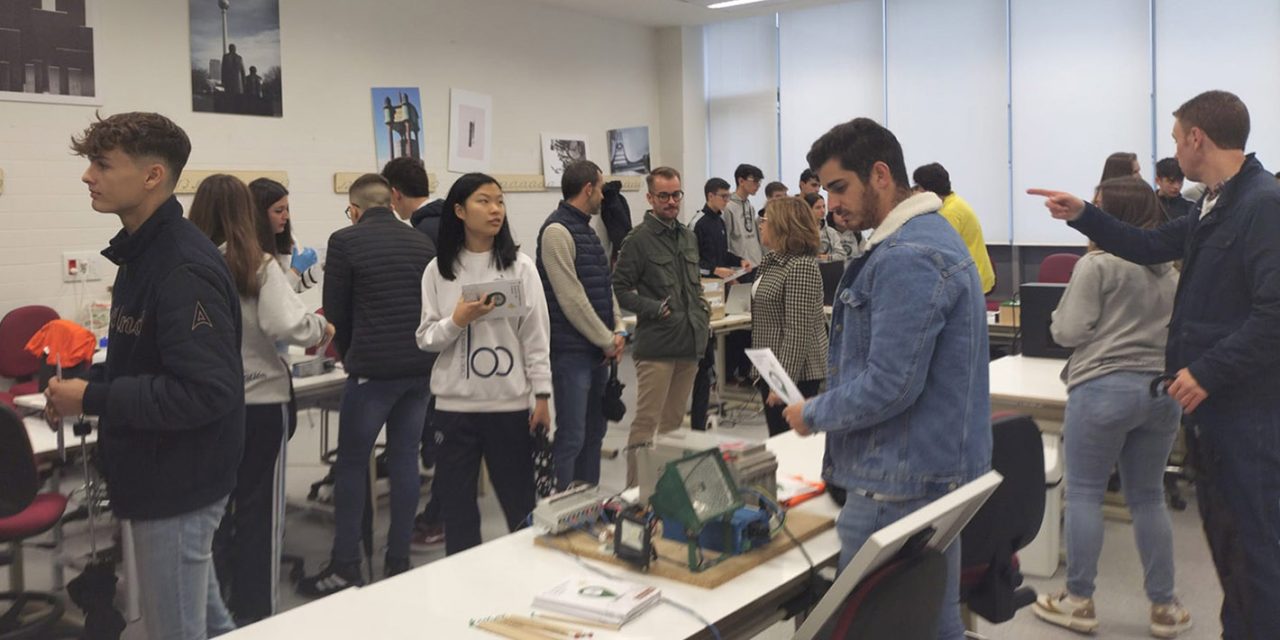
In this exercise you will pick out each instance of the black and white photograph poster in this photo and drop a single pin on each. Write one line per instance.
(629, 151)
(47, 51)
(470, 131)
(558, 152)
(235, 57)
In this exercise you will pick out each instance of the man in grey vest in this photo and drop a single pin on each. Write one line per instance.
(587, 331)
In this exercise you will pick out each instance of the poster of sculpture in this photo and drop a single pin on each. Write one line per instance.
(558, 152)
(629, 151)
(235, 57)
(47, 51)
(397, 123)
(470, 131)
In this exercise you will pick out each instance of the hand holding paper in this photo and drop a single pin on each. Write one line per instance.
(774, 375)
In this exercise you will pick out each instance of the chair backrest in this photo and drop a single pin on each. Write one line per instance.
(901, 600)
(16, 329)
(1056, 268)
(19, 481)
(1011, 518)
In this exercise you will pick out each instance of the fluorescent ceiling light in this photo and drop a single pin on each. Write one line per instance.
(731, 3)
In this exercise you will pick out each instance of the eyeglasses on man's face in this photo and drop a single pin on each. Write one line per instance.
(665, 196)
(349, 211)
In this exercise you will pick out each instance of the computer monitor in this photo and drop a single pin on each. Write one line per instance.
(831, 274)
(1038, 301)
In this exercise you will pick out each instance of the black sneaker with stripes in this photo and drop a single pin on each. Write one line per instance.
(333, 578)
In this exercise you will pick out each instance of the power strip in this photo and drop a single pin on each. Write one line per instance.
(574, 508)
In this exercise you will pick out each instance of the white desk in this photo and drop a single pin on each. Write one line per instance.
(502, 577)
(1030, 385)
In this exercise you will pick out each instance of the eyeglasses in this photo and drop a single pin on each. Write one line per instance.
(663, 196)
(347, 212)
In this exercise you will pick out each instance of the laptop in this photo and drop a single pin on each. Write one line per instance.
(1038, 301)
(935, 525)
(739, 300)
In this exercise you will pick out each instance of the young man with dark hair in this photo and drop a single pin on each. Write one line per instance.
(655, 279)
(809, 182)
(1223, 353)
(587, 330)
(1169, 189)
(909, 379)
(410, 191)
(934, 178)
(714, 260)
(373, 297)
(171, 404)
(740, 215)
(775, 190)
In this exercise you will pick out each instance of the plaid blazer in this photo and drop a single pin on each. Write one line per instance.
(787, 315)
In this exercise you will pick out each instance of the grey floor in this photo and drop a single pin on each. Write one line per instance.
(1122, 606)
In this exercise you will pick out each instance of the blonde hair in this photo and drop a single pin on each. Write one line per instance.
(792, 226)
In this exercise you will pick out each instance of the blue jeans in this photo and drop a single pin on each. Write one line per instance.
(1113, 419)
(177, 584)
(578, 381)
(401, 404)
(862, 516)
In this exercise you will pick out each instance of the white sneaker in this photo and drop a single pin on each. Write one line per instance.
(1066, 610)
(1169, 620)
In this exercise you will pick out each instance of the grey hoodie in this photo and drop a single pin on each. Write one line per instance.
(1115, 314)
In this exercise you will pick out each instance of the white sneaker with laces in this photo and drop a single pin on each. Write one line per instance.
(1066, 610)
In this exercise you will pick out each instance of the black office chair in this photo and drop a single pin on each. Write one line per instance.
(24, 514)
(991, 582)
(901, 600)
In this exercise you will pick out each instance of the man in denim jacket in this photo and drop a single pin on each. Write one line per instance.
(906, 411)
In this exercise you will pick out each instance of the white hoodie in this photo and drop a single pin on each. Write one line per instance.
(492, 365)
(276, 315)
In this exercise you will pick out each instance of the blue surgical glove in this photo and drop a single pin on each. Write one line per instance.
(303, 260)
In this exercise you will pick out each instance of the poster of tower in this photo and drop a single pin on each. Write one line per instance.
(235, 57)
(629, 151)
(47, 51)
(397, 123)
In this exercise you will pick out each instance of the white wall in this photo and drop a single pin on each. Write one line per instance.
(547, 70)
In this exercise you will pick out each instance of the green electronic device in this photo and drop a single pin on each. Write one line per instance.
(695, 491)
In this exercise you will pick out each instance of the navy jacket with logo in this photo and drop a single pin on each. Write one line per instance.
(171, 408)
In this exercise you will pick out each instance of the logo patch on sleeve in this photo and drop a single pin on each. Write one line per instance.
(201, 318)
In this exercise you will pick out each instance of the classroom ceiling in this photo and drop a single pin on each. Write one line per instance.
(668, 13)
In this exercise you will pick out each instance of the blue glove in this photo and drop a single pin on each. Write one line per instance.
(303, 260)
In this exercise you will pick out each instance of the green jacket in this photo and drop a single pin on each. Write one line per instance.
(659, 261)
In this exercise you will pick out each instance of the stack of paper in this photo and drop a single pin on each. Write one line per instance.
(599, 599)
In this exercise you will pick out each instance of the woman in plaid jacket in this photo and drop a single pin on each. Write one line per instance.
(786, 305)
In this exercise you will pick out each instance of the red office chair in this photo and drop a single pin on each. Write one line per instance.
(24, 514)
(1056, 268)
(901, 600)
(16, 328)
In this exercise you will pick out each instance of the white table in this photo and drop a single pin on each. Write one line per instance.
(502, 577)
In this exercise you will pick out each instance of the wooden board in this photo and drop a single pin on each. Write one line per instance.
(190, 179)
(342, 181)
(672, 560)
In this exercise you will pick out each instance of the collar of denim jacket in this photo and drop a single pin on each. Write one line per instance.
(916, 205)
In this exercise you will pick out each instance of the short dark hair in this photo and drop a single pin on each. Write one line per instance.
(267, 192)
(812, 198)
(933, 177)
(660, 172)
(1220, 114)
(747, 172)
(808, 175)
(1118, 165)
(1131, 200)
(408, 176)
(1169, 169)
(772, 188)
(453, 233)
(577, 175)
(859, 144)
(713, 185)
(138, 134)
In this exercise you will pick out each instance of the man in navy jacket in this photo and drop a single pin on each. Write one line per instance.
(171, 407)
(1224, 345)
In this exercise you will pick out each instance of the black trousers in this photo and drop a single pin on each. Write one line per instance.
(247, 545)
(430, 447)
(773, 415)
(504, 442)
(701, 401)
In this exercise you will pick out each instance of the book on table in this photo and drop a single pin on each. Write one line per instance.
(599, 599)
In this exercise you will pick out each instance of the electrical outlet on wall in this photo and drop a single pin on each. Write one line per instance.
(81, 266)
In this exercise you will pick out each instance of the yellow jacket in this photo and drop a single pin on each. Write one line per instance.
(961, 216)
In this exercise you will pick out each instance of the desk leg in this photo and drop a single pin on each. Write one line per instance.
(132, 605)
(324, 433)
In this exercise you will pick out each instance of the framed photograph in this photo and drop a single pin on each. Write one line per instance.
(397, 123)
(629, 151)
(558, 152)
(470, 131)
(48, 52)
(235, 57)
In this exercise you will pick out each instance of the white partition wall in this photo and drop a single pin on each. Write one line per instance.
(948, 98)
(831, 60)
(742, 99)
(1081, 90)
(1240, 54)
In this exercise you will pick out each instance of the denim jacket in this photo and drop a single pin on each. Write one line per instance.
(907, 412)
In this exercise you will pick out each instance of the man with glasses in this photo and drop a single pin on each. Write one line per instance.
(657, 278)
